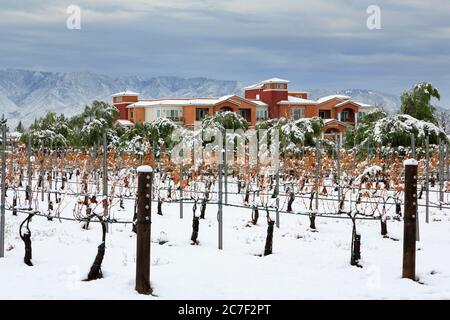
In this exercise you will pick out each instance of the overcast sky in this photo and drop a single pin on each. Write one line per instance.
(313, 43)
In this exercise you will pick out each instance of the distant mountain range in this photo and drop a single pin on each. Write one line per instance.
(26, 95)
(389, 102)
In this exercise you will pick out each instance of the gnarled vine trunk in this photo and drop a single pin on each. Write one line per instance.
(269, 238)
(96, 269)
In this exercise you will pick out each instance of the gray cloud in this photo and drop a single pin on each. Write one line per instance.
(313, 43)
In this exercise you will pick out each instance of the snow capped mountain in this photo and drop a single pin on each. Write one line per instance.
(26, 95)
(389, 102)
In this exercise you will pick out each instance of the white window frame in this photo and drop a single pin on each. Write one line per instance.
(344, 119)
(301, 112)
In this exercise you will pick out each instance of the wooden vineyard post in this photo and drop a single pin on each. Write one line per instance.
(447, 165)
(220, 205)
(338, 164)
(317, 173)
(410, 216)
(41, 172)
(105, 174)
(181, 191)
(413, 155)
(225, 168)
(3, 190)
(29, 173)
(441, 174)
(145, 181)
(105, 165)
(315, 190)
(427, 179)
(277, 194)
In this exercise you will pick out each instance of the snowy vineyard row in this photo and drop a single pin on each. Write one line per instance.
(80, 187)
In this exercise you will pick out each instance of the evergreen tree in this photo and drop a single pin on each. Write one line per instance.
(416, 102)
(360, 135)
(20, 128)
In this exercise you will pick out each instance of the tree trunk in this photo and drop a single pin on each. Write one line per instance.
(356, 248)
(255, 215)
(398, 209)
(290, 202)
(135, 217)
(28, 254)
(195, 225)
(269, 238)
(14, 211)
(96, 269)
(383, 227)
(160, 207)
(312, 221)
(247, 195)
(203, 209)
(26, 238)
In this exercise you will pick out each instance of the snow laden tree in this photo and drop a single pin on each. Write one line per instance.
(394, 131)
(161, 133)
(135, 139)
(223, 121)
(293, 134)
(50, 130)
(89, 127)
(156, 135)
(20, 127)
(443, 120)
(359, 135)
(416, 102)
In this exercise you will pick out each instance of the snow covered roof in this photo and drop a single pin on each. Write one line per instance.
(260, 84)
(362, 105)
(259, 103)
(180, 102)
(330, 121)
(13, 135)
(296, 100)
(274, 80)
(365, 105)
(334, 96)
(125, 123)
(254, 86)
(125, 93)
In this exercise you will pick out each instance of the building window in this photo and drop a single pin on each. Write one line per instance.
(172, 114)
(132, 114)
(361, 115)
(257, 97)
(322, 114)
(280, 86)
(344, 116)
(245, 113)
(119, 99)
(200, 113)
(158, 113)
(298, 113)
(261, 115)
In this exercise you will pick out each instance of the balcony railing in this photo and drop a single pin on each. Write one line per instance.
(176, 119)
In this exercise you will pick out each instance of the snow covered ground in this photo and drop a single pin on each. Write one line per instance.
(304, 264)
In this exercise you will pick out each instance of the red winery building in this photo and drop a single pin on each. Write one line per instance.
(269, 99)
